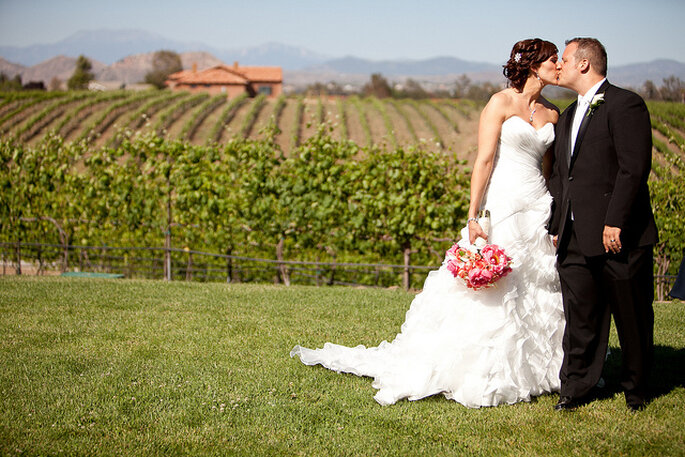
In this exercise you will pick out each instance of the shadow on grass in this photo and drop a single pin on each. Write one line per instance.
(668, 372)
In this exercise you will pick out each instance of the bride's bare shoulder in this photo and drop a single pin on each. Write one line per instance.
(505, 96)
(500, 101)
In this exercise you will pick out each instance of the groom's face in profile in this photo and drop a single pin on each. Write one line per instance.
(568, 67)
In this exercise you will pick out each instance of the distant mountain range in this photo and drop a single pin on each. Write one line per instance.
(109, 46)
(126, 55)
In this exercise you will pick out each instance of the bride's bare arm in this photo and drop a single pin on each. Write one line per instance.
(489, 128)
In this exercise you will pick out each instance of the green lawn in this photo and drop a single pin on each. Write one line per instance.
(123, 367)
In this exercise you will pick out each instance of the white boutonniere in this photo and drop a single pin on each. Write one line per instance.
(597, 100)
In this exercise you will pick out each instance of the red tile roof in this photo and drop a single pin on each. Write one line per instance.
(262, 74)
(223, 74)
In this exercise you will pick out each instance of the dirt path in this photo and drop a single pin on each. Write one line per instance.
(380, 136)
(174, 130)
(310, 118)
(399, 125)
(287, 124)
(332, 117)
(354, 125)
(263, 119)
(13, 124)
(200, 134)
(466, 143)
(423, 131)
(49, 122)
(671, 147)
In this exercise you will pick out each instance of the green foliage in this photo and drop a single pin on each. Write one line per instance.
(72, 116)
(8, 84)
(82, 75)
(327, 196)
(441, 111)
(164, 63)
(361, 111)
(226, 116)
(278, 108)
(668, 201)
(380, 107)
(324, 198)
(9, 119)
(297, 123)
(142, 115)
(251, 117)
(25, 131)
(400, 110)
(200, 114)
(176, 110)
(112, 112)
(429, 123)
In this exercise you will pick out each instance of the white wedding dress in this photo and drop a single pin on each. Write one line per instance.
(490, 346)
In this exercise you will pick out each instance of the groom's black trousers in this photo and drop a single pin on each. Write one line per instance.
(593, 289)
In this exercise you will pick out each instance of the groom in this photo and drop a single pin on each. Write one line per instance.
(604, 225)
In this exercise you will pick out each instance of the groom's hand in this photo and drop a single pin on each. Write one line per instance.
(612, 239)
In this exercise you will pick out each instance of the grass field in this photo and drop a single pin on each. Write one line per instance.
(123, 367)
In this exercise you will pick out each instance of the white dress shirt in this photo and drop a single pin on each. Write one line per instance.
(581, 109)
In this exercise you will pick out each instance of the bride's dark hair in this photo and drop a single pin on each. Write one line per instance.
(526, 55)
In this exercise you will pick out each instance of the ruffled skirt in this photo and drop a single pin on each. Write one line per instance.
(480, 348)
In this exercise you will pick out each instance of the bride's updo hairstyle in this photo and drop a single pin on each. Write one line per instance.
(526, 56)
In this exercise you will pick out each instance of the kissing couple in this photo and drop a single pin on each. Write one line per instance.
(568, 201)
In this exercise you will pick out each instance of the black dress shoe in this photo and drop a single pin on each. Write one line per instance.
(635, 407)
(566, 404)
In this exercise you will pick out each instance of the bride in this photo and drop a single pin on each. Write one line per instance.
(501, 344)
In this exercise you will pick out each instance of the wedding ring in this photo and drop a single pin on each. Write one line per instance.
(613, 241)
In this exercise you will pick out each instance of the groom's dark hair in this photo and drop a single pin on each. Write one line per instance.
(592, 50)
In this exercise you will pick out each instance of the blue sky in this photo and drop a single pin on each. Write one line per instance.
(477, 30)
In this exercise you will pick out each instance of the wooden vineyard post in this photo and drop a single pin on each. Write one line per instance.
(189, 273)
(17, 251)
(285, 274)
(229, 265)
(407, 267)
(167, 254)
(407, 272)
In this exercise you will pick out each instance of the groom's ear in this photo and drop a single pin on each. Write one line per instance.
(584, 66)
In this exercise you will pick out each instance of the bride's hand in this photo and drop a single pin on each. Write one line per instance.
(476, 231)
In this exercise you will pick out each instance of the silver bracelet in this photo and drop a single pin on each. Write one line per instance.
(475, 219)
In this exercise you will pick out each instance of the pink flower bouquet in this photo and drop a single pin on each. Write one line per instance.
(480, 268)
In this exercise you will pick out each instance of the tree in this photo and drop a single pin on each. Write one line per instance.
(673, 89)
(82, 74)
(55, 84)
(8, 84)
(164, 63)
(378, 86)
(413, 89)
(461, 86)
(650, 91)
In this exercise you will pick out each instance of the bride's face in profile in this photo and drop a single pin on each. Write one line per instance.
(547, 71)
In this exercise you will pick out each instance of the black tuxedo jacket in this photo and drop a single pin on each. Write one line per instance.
(605, 182)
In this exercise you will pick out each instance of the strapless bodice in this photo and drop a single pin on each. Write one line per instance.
(522, 143)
